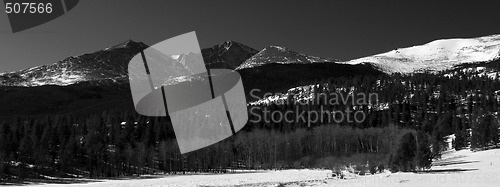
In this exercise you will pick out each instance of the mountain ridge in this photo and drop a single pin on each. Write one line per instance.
(229, 54)
(109, 65)
(435, 56)
(280, 55)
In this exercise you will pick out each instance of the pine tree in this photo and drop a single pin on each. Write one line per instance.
(407, 152)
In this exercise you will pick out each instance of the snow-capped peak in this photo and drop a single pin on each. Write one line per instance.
(436, 56)
(280, 55)
(108, 65)
(282, 49)
(127, 44)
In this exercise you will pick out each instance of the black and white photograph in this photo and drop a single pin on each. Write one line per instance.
(266, 93)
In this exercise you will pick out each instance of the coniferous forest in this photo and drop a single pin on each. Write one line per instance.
(404, 132)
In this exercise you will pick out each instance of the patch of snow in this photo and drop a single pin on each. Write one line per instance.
(175, 57)
(282, 49)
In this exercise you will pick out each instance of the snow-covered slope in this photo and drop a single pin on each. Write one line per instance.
(436, 56)
(279, 55)
(110, 65)
(455, 169)
(309, 94)
(107, 65)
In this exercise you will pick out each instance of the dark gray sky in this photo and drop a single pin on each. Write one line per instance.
(336, 29)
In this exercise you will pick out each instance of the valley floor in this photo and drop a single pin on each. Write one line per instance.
(456, 168)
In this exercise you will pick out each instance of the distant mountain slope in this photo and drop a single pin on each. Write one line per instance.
(436, 56)
(278, 78)
(107, 65)
(280, 55)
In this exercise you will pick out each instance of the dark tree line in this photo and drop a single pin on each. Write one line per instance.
(109, 146)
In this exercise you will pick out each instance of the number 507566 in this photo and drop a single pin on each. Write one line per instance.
(28, 8)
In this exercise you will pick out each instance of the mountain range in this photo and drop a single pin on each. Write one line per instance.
(109, 65)
(91, 82)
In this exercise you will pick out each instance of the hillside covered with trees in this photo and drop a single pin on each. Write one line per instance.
(405, 131)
